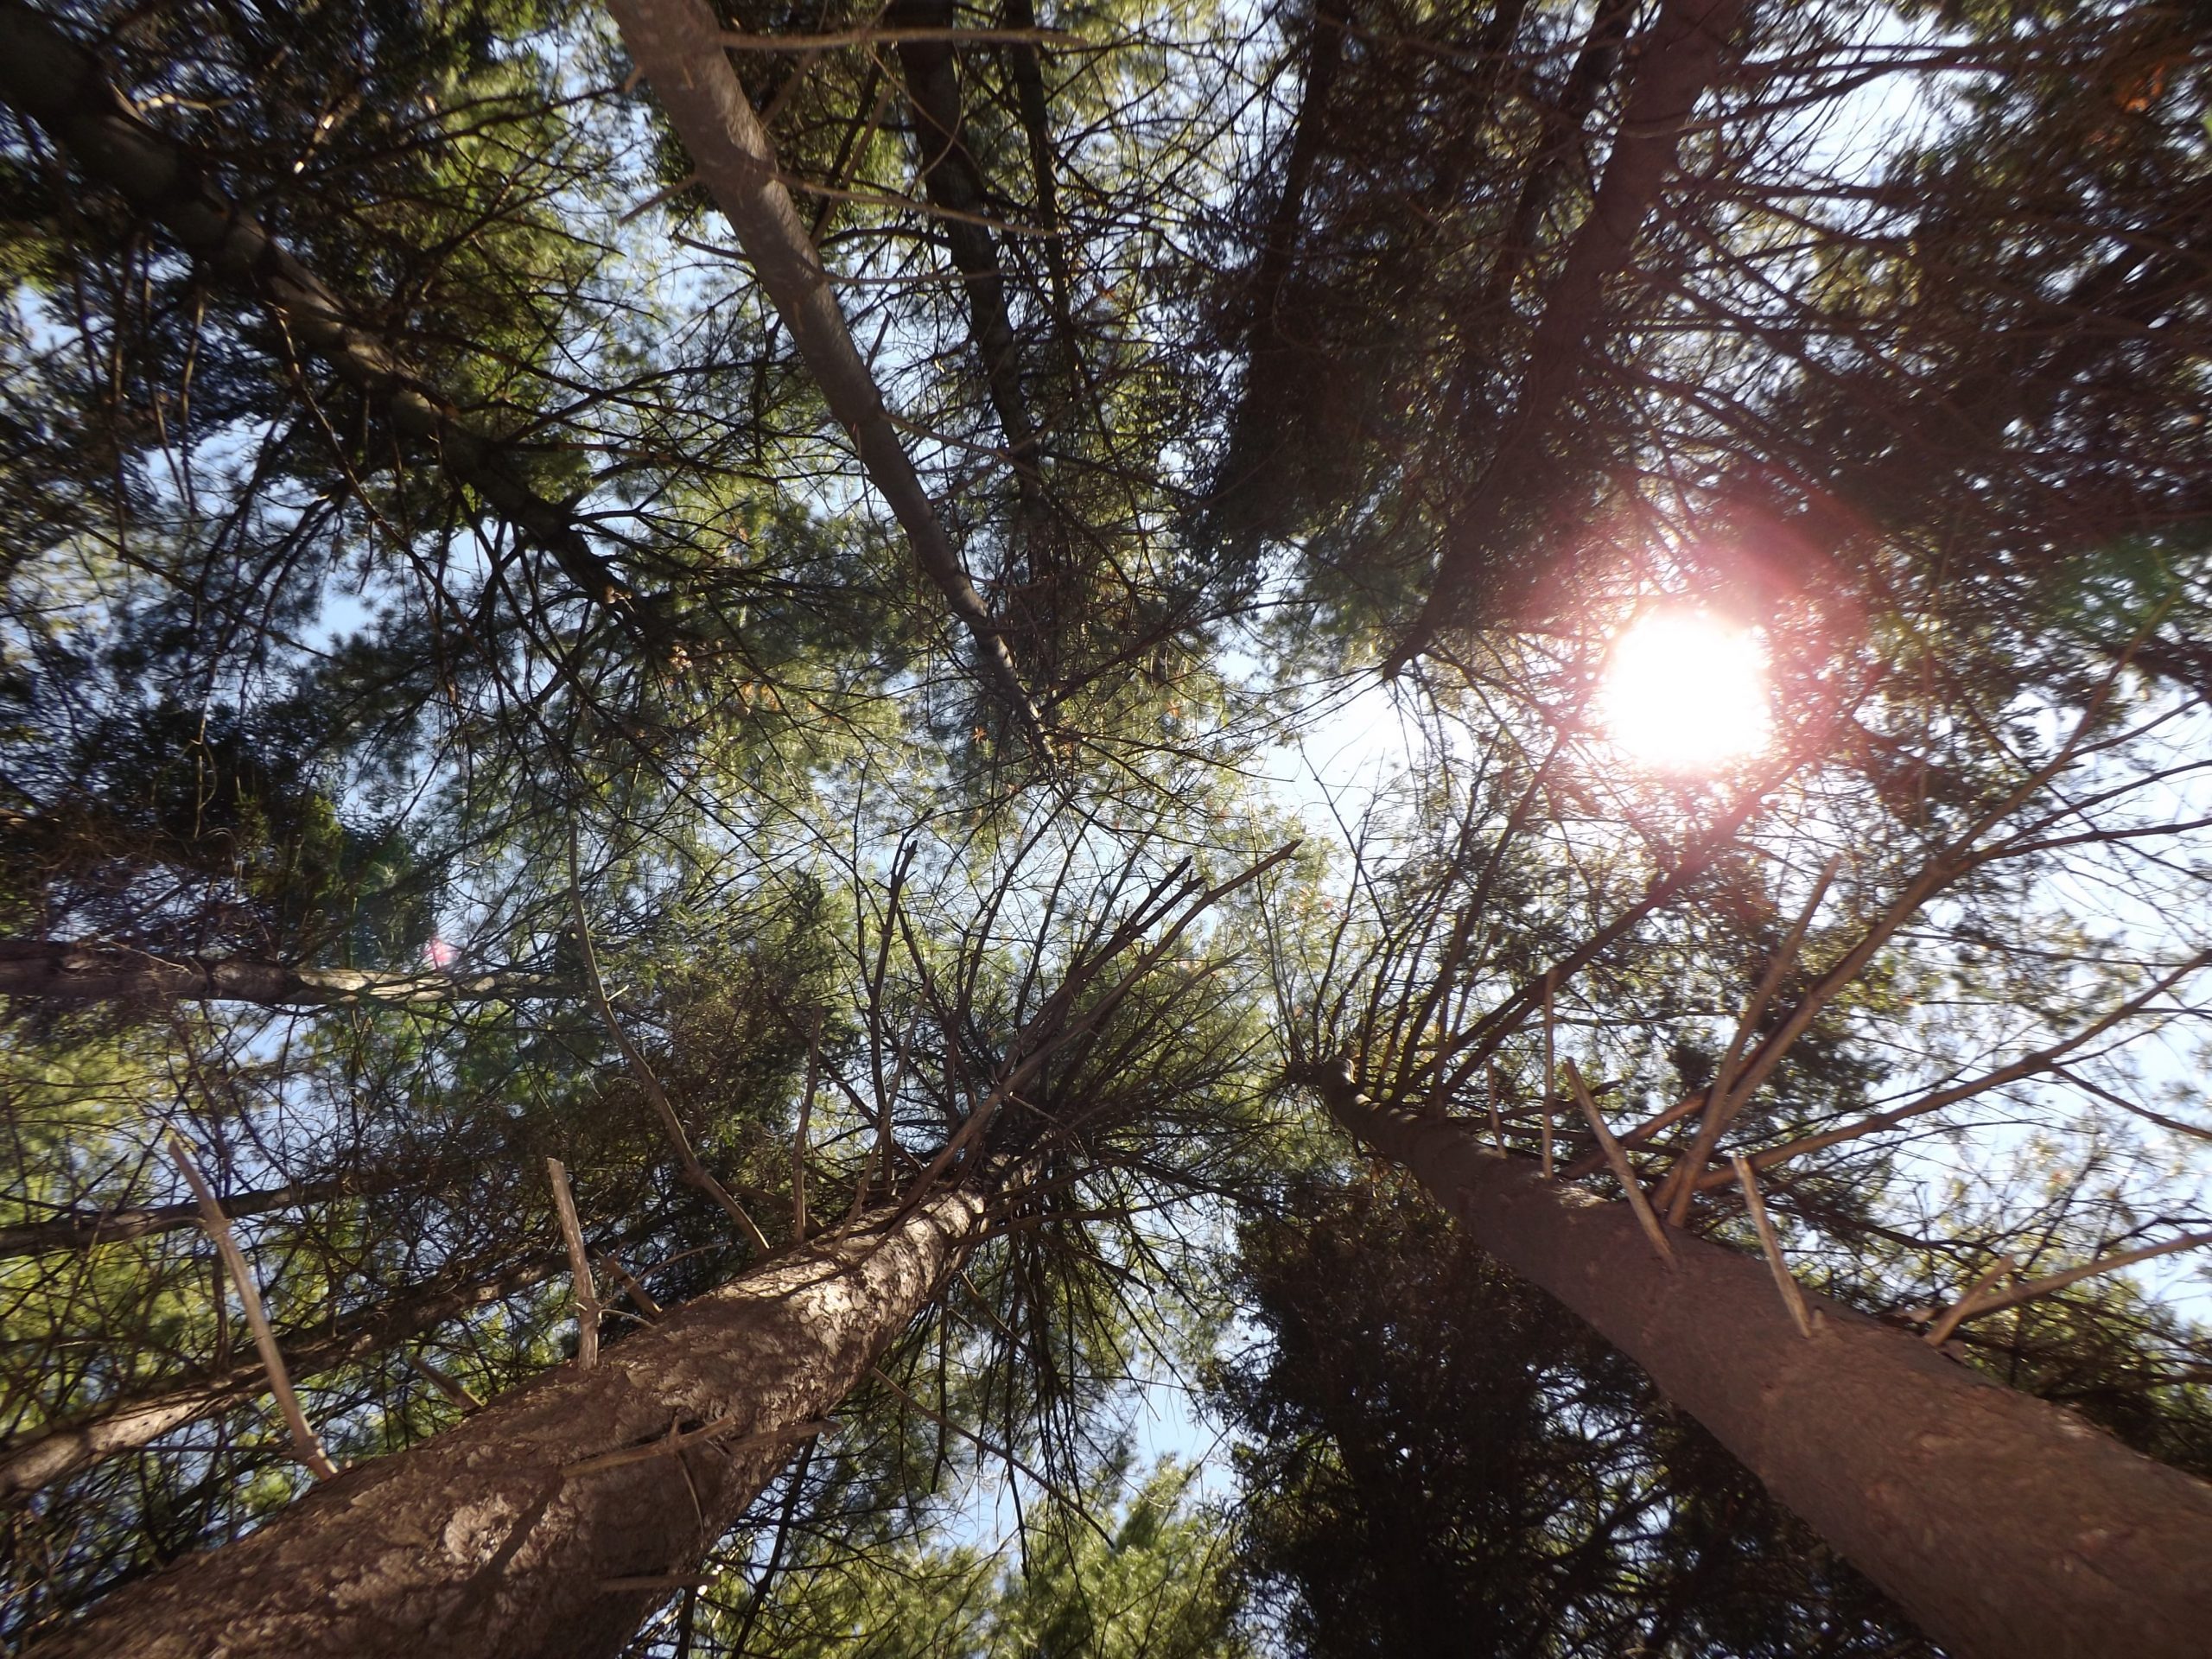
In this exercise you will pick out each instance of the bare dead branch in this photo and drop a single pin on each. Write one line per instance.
(305, 1443)
(572, 1235)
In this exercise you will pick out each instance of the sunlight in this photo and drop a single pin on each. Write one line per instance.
(1685, 692)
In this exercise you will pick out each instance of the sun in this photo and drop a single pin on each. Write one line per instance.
(1684, 692)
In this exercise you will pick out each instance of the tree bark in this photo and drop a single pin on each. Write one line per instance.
(677, 46)
(493, 1538)
(91, 971)
(59, 85)
(1678, 59)
(55, 1451)
(2005, 1525)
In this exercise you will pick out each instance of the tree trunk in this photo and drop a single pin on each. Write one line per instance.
(1273, 356)
(55, 1451)
(1677, 60)
(91, 971)
(2005, 1525)
(517, 1532)
(677, 44)
(954, 180)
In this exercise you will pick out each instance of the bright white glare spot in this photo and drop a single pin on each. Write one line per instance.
(1684, 692)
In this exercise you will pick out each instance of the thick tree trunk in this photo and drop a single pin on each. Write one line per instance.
(2007, 1526)
(59, 85)
(55, 1451)
(91, 971)
(552, 1521)
(677, 46)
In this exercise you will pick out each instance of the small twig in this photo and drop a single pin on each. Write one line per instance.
(631, 1287)
(572, 1235)
(1496, 1127)
(672, 1443)
(658, 197)
(1619, 1159)
(218, 1227)
(798, 1139)
(446, 1382)
(988, 1450)
(909, 204)
(1939, 1332)
(1551, 1077)
(1792, 1298)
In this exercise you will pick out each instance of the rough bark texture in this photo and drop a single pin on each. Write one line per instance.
(91, 971)
(2007, 1526)
(59, 85)
(1678, 59)
(55, 1451)
(483, 1542)
(677, 46)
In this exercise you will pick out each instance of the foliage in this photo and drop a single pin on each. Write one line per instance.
(1438, 1460)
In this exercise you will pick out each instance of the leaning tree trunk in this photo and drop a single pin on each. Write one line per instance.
(677, 46)
(552, 1521)
(1680, 56)
(89, 970)
(2005, 1525)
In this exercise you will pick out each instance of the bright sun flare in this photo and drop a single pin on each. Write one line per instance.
(1685, 692)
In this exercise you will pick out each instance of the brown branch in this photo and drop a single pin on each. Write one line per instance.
(1792, 1298)
(1723, 1104)
(1941, 1330)
(446, 1383)
(305, 1444)
(2043, 1059)
(572, 1235)
(1973, 1308)
(631, 1286)
(1636, 1202)
(61, 86)
(595, 992)
(94, 970)
(80, 1230)
(1678, 58)
(799, 1149)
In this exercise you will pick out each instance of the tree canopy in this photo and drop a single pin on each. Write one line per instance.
(758, 761)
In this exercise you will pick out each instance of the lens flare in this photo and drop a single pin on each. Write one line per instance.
(1684, 692)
